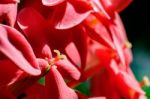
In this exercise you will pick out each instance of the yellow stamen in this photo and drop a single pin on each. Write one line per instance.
(128, 44)
(52, 61)
(58, 57)
(145, 82)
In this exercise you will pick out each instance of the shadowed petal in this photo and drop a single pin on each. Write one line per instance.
(9, 1)
(37, 91)
(35, 27)
(5, 94)
(80, 40)
(10, 70)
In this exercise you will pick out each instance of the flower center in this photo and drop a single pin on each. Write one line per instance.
(58, 57)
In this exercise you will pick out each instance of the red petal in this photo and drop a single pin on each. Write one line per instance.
(56, 87)
(67, 16)
(115, 5)
(104, 56)
(52, 2)
(102, 84)
(126, 84)
(10, 36)
(68, 69)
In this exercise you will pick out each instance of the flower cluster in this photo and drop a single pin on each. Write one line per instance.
(89, 33)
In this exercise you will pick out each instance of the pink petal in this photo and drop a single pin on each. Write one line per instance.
(68, 69)
(97, 31)
(8, 13)
(122, 38)
(43, 64)
(10, 36)
(117, 44)
(75, 57)
(128, 56)
(67, 16)
(56, 87)
(52, 2)
(121, 34)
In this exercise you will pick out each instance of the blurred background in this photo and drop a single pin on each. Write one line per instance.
(136, 19)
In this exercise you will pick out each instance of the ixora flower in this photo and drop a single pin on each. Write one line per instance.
(89, 33)
(56, 66)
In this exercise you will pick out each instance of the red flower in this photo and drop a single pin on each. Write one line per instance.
(89, 32)
(41, 46)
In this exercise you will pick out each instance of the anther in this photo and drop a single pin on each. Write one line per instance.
(145, 82)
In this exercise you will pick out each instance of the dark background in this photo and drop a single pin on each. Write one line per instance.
(136, 18)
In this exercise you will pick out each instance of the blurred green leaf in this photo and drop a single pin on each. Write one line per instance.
(83, 88)
(42, 81)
